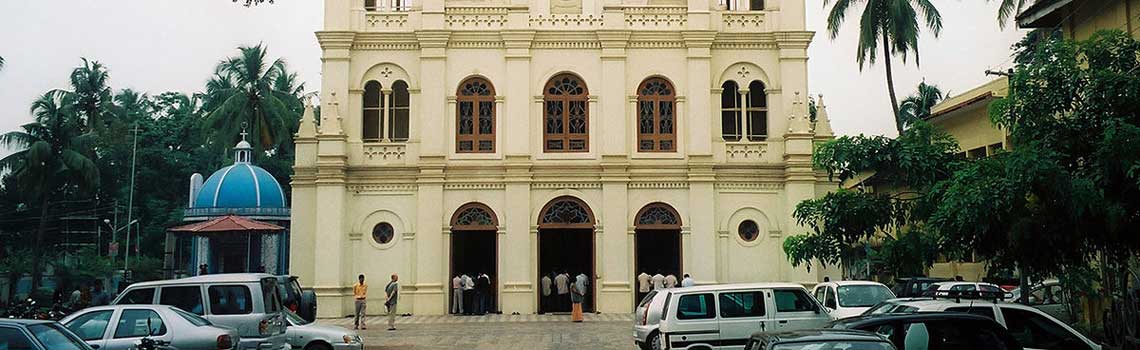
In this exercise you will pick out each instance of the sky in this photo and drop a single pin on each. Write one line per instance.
(173, 45)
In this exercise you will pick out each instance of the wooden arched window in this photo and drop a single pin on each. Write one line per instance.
(398, 110)
(371, 121)
(656, 116)
(658, 216)
(566, 212)
(474, 217)
(475, 117)
(566, 115)
(757, 111)
(730, 111)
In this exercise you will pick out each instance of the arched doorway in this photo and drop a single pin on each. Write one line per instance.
(657, 244)
(565, 246)
(475, 251)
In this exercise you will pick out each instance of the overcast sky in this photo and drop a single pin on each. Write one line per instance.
(173, 45)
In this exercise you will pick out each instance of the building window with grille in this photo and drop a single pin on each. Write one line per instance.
(656, 116)
(383, 233)
(372, 100)
(730, 111)
(385, 115)
(475, 117)
(757, 111)
(398, 111)
(566, 116)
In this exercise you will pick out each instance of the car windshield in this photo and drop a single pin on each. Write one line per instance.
(294, 319)
(834, 345)
(863, 295)
(192, 318)
(55, 337)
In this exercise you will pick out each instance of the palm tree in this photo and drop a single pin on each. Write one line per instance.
(1008, 9)
(243, 93)
(92, 94)
(917, 106)
(55, 153)
(895, 23)
(1, 62)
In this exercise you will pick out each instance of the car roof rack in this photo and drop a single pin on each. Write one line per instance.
(958, 295)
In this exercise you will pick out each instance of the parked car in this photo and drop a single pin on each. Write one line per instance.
(818, 339)
(724, 316)
(914, 286)
(300, 301)
(962, 286)
(121, 327)
(247, 302)
(850, 298)
(1032, 328)
(38, 335)
(935, 330)
(306, 335)
(1050, 298)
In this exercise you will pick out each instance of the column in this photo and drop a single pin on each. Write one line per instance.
(614, 140)
(615, 288)
(429, 280)
(698, 76)
(329, 228)
(799, 175)
(744, 122)
(385, 106)
(516, 132)
(516, 265)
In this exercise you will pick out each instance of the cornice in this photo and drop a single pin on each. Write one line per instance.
(335, 40)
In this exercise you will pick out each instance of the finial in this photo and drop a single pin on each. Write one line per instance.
(243, 132)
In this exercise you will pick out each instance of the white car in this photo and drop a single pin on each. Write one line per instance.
(305, 335)
(1051, 298)
(1031, 327)
(121, 327)
(961, 286)
(845, 299)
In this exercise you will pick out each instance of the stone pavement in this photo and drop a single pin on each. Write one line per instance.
(600, 331)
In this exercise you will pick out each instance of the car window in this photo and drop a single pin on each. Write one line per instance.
(862, 295)
(943, 335)
(989, 288)
(295, 319)
(134, 323)
(1033, 330)
(192, 318)
(91, 325)
(230, 300)
(187, 298)
(830, 300)
(742, 304)
(986, 310)
(55, 337)
(138, 296)
(695, 306)
(881, 308)
(792, 300)
(648, 298)
(269, 295)
(820, 293)
(833, 345)
(14, 339)
(1045, 295)
(963, 287)
(665, 306)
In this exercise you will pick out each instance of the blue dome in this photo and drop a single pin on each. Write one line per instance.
(241, 185)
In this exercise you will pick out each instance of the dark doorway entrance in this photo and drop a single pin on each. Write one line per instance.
(657, 245)
(565, 246)
(235, 253)
(474, 252)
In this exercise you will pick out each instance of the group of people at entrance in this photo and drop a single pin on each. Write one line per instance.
(647, 283)
(561, 293)
(391, 297)
(471, 296)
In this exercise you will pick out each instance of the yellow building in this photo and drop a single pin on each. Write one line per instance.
(517, 138)
(1079, 19)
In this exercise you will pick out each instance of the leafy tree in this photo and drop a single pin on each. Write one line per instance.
(54, 155)
(92, 94)
(917, 106)
(244, 93)
(896, 23)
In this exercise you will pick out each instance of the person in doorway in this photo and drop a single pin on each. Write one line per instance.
(562, 285)
(546, 282)
(359, 295)
(670, 281)
(393, 296)
(468, 295)
(577, 297)
(658, 281)
(483, 284)
(457, 295)
(642, 285)
(687, 281)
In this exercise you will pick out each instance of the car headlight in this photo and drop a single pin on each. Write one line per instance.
(352, 339)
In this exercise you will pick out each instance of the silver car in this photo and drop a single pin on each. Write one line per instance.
(307, 335)
(120, 327)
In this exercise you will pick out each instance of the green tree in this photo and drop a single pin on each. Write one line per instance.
(894, 24)
(92, 95)
(244, 92)
(917, 106)
(54, 154)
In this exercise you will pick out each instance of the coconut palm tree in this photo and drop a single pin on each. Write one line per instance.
(1, 62)
(243, 93)
(54, 154)
(93, 97)
(917, 106)
(892, 23)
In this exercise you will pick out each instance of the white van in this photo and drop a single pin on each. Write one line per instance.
(845, 299)
(724, 316)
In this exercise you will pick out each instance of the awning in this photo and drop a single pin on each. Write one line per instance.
(228, 223)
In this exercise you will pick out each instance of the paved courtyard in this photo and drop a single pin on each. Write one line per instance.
(600, 331)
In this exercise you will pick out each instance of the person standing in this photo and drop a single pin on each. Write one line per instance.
(670, 281)
(75, 298)
(546, 282)
(393, 296)
(562, 285)
(360, 294)
(468, 295)
(484, 285)
(577, 296)
(98, 296)
(457, 295)
(687, 281)
(658, 281)
(642, 285)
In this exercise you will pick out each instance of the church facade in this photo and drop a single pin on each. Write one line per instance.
(527, 138)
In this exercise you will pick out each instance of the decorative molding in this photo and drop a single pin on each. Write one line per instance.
(475, 17)
(651, 44)
(774, 233)
(561, 44)
(658, 185)
(673, 17)
(579, 21)
(385, 46)
(749, 187)
(474, 186)
(386, 20)
(394, 151)
(745, 151)
(561, 185)
(382, 188)
(752, 21)
(475, 44)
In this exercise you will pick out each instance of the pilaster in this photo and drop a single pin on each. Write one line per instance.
(428, 279)
(433, 72)
(698, 76)
(614, 287)
(702, 241)
(613, 140)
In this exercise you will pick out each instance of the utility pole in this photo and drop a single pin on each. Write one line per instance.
(131, 199)
(1023, 279)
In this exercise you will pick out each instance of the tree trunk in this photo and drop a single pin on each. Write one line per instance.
(891, 83)
(37, 250)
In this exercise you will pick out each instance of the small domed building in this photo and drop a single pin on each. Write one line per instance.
(237, 220)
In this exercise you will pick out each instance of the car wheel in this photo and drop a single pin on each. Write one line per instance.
(653, 341)
(318, 346)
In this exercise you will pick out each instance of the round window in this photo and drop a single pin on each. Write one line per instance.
(383, 233)
(748, 230)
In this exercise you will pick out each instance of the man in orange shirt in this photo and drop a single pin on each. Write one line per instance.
(360, 293)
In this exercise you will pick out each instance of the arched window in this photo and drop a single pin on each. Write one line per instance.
(656, 116)
(566, 212)
(372, 98)
(398, 112)
(730, 111)
(566, 115)
(475, 117)
(757, 112)
(657, 216)
(474, 217)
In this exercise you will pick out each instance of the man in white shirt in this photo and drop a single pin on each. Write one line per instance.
(468, 295)
(562, 285)
(457, 295)
(642, 285)
(658, 281)
(687, 281)
(546, 284)
(670, 281)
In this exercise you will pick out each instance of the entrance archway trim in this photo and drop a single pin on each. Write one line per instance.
(560, 202)
(485, 218)
(657, 209)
